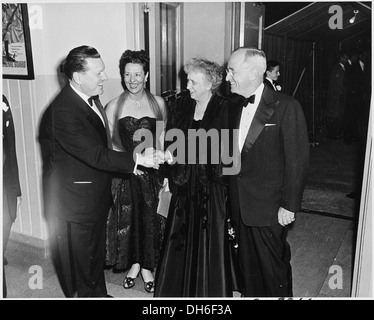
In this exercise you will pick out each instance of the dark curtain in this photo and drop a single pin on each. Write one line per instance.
(295, 55)
(296, 66)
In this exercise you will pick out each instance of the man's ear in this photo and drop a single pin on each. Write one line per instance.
(254, 73)
(77, 78)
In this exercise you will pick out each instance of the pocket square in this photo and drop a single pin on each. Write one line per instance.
(269, 124)
(4, 106)
(82, 182)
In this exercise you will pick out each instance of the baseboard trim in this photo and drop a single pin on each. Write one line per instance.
(30, 240)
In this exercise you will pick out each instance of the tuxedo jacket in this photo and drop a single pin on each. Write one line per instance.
(274, 161)
(268, 84)
(77, 163)
(11, 184)
(357, 83)
(337, 81)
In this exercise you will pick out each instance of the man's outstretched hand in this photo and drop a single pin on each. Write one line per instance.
(151, 158)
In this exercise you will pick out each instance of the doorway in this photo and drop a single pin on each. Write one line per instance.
(163, 43)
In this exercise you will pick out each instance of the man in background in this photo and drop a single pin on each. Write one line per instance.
(272, 74)
(336, 98)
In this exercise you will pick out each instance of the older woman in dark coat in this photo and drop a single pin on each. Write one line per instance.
(197, 260)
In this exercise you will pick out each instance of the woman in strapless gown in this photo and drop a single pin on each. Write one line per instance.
(134, 228)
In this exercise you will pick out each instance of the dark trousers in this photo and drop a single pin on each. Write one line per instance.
(78, 254)
(264, 258)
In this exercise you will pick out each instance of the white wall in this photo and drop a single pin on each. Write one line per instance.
(204, 30)
(57, 28)
(109, 27)
(68, 25)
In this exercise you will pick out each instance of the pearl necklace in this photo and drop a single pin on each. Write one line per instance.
(138, 103)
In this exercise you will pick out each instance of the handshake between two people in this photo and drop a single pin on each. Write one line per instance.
(152, 158)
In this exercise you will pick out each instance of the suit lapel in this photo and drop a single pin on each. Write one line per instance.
(235, 115)
(95, 120)
(264, 111)
(91, 115)
(270, 84)
(106, 127)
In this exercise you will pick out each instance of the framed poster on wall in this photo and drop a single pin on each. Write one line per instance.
(16, 48)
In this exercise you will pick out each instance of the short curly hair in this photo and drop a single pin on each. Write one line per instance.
(212, 70)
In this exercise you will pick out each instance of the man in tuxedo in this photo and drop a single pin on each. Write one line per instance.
(266, 193)
(77, 162)
(336, 98)
(11, 185)
(272, 74)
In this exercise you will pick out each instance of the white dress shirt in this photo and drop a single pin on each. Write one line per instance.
(93, 107)
(247, 116)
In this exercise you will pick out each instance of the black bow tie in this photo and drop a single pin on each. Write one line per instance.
(93, 98)
(250, 100)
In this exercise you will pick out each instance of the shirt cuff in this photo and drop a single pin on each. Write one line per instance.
(136, 163)
(171, 157)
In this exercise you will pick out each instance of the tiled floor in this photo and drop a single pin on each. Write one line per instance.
(322, 239)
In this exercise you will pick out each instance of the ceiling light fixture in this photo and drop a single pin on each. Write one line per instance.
(352, 20)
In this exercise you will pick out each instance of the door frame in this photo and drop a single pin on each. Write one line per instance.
(154, 44)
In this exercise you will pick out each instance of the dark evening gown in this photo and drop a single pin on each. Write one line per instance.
(134, 229)
(198, 259)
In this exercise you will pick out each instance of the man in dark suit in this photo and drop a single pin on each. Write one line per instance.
(354, 81)
(11, 185)
(272, 74)
(77, 162)
(267, 191)
(336, 98)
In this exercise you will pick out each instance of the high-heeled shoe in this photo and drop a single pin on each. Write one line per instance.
(128, 282)
(149, 286)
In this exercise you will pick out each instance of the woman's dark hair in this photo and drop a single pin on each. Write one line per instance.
(76, 60)
(129, 56)
(138, 57)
